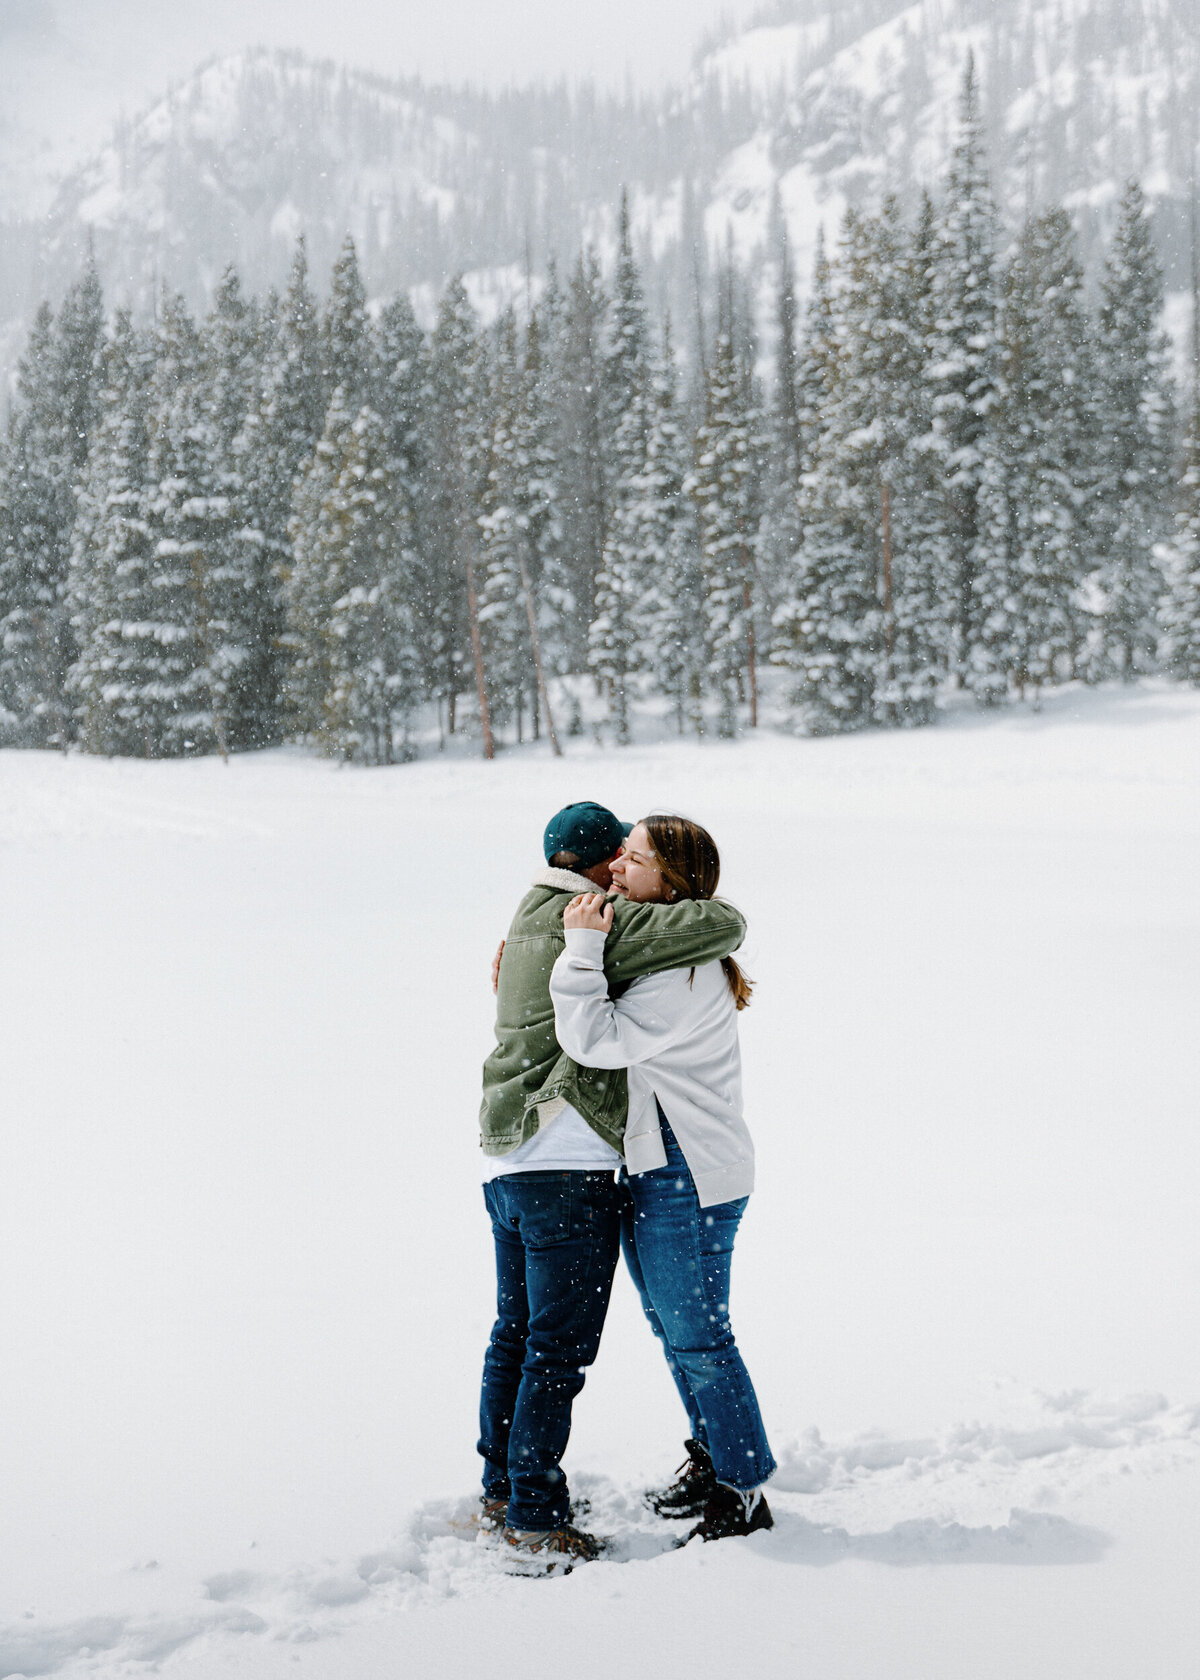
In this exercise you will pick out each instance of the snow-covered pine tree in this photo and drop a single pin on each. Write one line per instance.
(80, 338)
(780, 530)
(818, 361)
(194, 643)
(963, 363)
(508, 657)
(111, 589)
(1039, 476)
(401, 391)
(816, 382)
(829, 628)
(239, 655)
(47, 446)
(722, 484)
(457, 469)
(1179, 613)
(549, 593)
(613, 632)
(278, 437)
(401, 396)
(582, 444)
(1179, 610)
(660, 530)
(312, 580)
(915, 642)
(347, 349)
(353, 678)
(1136, 431)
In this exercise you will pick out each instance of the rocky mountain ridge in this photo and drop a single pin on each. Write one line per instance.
(818, 106)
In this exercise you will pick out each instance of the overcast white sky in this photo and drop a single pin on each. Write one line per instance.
(490, 41)
(69, 67)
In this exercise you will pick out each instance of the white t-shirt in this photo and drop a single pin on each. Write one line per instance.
(564, 1142)
(676, 1032)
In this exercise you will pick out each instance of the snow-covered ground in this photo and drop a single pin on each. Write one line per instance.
(245, 1268)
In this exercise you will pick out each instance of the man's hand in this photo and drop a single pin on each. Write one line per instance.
(496, 966)
(589, 910)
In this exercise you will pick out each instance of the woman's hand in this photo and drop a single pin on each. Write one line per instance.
(589, 910)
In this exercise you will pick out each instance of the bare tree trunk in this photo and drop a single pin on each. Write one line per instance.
(485, 716)
(201, 593)
(536, 642)
(751, 638)
(889, 615)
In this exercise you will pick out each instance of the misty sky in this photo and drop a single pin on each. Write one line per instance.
(490, 41)
(68, 68)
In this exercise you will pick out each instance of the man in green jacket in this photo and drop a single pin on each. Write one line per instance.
(551, 1134)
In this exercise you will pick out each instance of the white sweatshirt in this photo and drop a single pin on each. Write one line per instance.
(678, 1038)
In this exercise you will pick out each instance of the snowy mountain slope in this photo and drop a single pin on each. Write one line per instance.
(1078, 97)
(826, 104)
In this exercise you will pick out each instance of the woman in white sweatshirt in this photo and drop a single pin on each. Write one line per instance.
(689, 1162)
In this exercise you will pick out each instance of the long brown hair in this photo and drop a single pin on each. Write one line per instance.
(690, 866)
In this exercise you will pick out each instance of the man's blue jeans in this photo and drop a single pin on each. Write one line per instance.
(679, 1256)
(557, 1239)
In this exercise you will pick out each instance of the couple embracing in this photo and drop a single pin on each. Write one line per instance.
(612, 1120)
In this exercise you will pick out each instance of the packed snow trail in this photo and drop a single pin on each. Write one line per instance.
(825, 1497)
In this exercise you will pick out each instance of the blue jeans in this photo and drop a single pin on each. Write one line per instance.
(557, 1238)
(679, 1255)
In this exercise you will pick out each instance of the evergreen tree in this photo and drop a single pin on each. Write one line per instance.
(111, 590)
(963, 364)
(401, 391)
(829, 628)
(876, 414)
(1038, 481)
(781, 529)
(279, 435)
(912, 536)
(458, 467)
(1136, 427)
(1179, 613)
(660, 533)
(723, 488)
(549, 582)
(582, 445)
(353, 678)
(239, 655)
(347, 351)
(612, 635)
(47, 446)
(196, 636)
(80, 337)
(508, 656)
(401, 396)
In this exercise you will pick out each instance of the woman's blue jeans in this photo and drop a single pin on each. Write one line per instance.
(679, 1256)
(557, 1239)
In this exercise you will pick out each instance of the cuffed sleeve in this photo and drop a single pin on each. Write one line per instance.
(586, 946)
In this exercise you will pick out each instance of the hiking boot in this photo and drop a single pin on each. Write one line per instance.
(731, 1512)
(550, 1551)
(492, 1513)
(694, 1485)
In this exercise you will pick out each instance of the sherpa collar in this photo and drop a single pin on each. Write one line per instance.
(564, 880)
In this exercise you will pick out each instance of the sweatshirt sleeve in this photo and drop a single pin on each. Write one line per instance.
(647, 938)
(600, 1032)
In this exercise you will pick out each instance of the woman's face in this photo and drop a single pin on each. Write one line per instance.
(635, 874)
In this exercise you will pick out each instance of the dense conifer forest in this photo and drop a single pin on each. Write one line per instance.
(965, 470)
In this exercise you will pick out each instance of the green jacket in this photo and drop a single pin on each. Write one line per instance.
(527, 1068)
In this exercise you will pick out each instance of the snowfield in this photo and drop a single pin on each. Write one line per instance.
(245, 1267)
